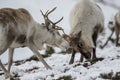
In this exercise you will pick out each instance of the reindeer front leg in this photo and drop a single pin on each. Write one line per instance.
(94, 37)
(6, 72)
(72, 56)
(35, 51)
(10, 60)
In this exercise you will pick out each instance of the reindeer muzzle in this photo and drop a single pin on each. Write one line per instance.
(87, 55)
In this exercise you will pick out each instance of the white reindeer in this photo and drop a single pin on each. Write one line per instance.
(117, 27)
(87, 21)
(19, 29)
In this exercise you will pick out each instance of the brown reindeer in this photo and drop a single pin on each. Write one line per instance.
(87, 21)
(19, 29)
(117, 27)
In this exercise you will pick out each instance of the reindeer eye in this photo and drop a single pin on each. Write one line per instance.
(80, 45)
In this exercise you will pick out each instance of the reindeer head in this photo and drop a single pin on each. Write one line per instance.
(58, 40)
(77, 43)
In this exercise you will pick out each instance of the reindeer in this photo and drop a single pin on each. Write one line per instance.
(117, 27)
(87, 21)
(19, 29)
(111, 27)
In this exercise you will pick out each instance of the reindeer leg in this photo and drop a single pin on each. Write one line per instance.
(117, 38)
(10, 60)
(7, 74)
(81, 58)
(117, 28)
(72, 57)
(35, 51)
(108, 39)
(94, 37)
(94, 53)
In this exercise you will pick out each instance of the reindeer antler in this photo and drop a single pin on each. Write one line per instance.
(59, 28)
(48, 21)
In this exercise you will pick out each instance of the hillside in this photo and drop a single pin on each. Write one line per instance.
(107, 69)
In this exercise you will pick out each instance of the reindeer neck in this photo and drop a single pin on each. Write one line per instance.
(42, 35)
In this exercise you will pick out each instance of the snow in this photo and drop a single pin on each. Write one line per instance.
(60, 62)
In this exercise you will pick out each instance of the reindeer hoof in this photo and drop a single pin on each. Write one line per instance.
(71, 62)
(117, 45)
(6, 76)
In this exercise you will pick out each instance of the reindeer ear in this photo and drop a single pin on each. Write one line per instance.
(79, 35)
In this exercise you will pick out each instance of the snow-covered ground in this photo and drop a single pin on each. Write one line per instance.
(34, 70)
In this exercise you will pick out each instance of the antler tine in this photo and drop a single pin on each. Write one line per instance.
(45, 18)
(51, 11)
(54, 23)
(63, 31)
(48, 21)
(42, 13)
(60, 28)
(46, 13)
(58, 20)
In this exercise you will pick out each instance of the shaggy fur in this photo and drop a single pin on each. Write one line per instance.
(19, 29)
(88, 18)
(117, 27)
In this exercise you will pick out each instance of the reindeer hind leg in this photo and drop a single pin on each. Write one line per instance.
(81, 58)
(117, 35)
(117, 39)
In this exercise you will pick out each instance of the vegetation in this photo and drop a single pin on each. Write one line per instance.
(65, 78)
(111, 76)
